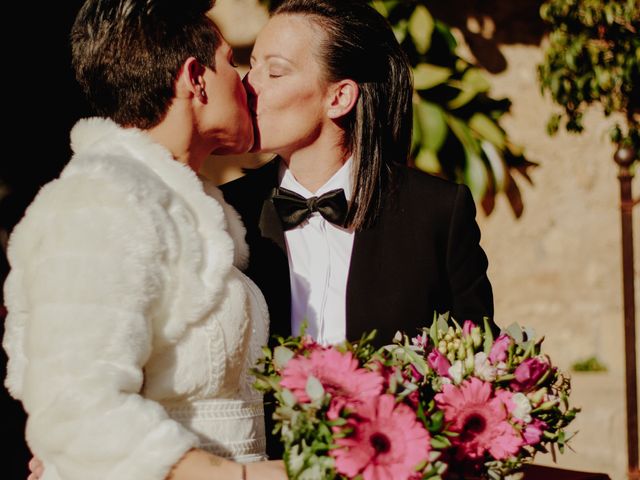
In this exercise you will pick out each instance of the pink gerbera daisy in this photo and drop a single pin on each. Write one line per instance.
(338, 373)
(387, 442)
(480, 419)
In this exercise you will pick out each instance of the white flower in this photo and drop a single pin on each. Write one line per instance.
(421, 341)
(501, 368)
(455, 372)
(483, 368)
(523, 407)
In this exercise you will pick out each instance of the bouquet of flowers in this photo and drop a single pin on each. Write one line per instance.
(452, 402)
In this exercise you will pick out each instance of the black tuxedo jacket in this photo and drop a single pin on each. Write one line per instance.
(422, 255)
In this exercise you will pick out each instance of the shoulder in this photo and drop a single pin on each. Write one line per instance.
(416, 182)
(255, 181)
(247, 193)
(88, 206)
(427, 194)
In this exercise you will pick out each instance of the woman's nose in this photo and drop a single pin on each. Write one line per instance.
(248, 83)
(249, 86)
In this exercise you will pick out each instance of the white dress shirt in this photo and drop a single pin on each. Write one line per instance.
(319, 258)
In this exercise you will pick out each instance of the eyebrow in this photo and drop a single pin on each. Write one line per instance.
(274, 55)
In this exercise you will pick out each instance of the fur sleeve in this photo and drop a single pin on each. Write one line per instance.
(85, 278)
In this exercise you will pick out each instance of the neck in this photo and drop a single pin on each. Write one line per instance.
(176, 133)
(314, 165)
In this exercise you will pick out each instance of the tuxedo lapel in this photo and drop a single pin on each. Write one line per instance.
(270, 225)
(363, 281)
(272, 266)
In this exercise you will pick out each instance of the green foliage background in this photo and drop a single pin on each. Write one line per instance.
(594, 58)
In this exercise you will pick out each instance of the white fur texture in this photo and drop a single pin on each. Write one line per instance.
(123, 299)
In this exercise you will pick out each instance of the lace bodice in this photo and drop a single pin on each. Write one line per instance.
(217, 400)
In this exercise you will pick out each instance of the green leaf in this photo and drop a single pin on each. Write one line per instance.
(314, 388)
(439, 442)
(416, 134)
(281, 356)
(474, 79)
(472, 83)
(462, 131)
(437, 420)
(476, 175)
(488, 336)
(464, 97)
(288, 398)
(400, 30)
(515, 332)
(487, 129)
(498, 165)
(421, 28)
(417, 360)
(427, 161)
(443, 326)
(433, 126)
(426, 75)
(445, 32)
(380, 7)
(433, 332)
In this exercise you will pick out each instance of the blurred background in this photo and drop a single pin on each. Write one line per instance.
(493, 80)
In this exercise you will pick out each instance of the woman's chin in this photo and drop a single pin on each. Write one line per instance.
(237, 149)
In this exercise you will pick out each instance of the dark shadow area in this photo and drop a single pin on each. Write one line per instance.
(44, 102)
(487, 24)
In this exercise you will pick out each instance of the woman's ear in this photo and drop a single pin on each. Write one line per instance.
(190, 82)
(343, 96)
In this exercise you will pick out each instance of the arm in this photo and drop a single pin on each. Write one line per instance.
(200, 465)
(85, 277)
(467, 263)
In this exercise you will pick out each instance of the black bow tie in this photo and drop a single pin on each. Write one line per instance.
(293, 209)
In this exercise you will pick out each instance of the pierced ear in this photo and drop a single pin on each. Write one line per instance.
(190, 81)
(342, 99)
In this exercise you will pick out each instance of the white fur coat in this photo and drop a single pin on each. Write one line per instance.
(127, 309)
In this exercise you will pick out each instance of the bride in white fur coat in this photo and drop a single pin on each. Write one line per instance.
(131, 327)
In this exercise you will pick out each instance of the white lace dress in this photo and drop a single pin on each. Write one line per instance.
(226, 412)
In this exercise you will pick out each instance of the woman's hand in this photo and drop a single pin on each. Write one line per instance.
(269, 470)
(36, 469)
(200, 465)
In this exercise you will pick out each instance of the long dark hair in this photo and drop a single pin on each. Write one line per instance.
(127, 54)
(359, 45)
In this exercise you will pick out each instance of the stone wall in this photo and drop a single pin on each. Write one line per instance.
(557, 268)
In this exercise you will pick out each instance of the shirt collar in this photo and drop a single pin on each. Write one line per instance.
(341, 179)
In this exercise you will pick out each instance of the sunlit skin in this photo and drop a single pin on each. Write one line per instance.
(296, 110)
(217, 123)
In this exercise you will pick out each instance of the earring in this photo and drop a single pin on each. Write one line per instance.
(203, 94)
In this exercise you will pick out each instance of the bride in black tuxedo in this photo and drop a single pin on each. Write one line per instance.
(342, 234)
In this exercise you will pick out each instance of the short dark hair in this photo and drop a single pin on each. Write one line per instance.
(359, 44)
(127, 54)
